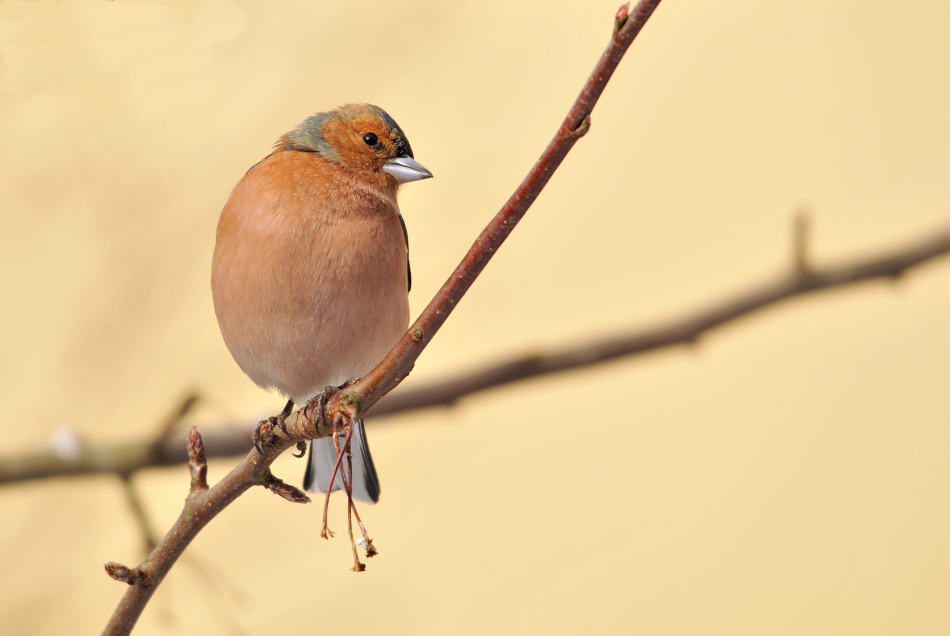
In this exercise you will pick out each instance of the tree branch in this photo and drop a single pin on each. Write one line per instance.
(803, 278)
(162, 448)
(312, 422)
(890, 264)
(363, 394)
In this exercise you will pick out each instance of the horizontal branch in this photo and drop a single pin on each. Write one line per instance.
(235, 439)
(890, 264)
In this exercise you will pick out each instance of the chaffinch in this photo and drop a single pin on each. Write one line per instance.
(310, 274)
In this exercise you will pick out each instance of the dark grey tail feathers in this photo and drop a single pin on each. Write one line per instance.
(323, 457)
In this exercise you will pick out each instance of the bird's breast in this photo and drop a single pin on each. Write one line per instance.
(309, 275)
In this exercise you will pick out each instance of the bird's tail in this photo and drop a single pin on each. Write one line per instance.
(323, 458)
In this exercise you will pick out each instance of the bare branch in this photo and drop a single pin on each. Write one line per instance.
(170, 422)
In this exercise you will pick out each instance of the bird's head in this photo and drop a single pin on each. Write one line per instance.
(358, 137)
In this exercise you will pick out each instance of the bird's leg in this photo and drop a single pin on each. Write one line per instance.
(315, 406)
(314, 409)
(264, 433)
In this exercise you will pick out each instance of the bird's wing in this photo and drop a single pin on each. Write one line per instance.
(405, 233)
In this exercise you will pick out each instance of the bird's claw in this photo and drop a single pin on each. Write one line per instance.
(264, 433)
(302, 447)
(314, 411)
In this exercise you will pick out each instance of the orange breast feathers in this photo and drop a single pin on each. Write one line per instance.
(309, 274)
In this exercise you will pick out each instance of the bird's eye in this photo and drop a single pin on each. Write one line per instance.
(370, 139)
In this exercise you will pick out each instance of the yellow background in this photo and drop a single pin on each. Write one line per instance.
(790, 475)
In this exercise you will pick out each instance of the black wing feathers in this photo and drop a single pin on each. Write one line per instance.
(405, 233)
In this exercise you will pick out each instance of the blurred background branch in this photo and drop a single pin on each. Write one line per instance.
(166, 447)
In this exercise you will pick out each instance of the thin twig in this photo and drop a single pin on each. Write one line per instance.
(151, 450)
(325, 531)
(170, 422)
(348, 490)
(254, 469)
(138, 511)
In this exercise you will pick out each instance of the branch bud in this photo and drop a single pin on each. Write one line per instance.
(123, 574)
(197, 463)
(288, 492)
(621, 18)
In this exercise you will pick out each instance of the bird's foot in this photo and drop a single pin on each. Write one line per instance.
(315, 409)
(264, 433)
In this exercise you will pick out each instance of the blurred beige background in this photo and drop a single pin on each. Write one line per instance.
(790, 475)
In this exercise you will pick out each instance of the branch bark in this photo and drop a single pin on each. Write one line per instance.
(202, 505)
(229, 440)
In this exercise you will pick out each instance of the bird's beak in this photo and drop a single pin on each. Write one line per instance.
(406, 169)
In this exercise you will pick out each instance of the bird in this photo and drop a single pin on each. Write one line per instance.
(310, 275)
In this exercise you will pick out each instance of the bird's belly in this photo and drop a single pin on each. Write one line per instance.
(298, 322)
(343, 340)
